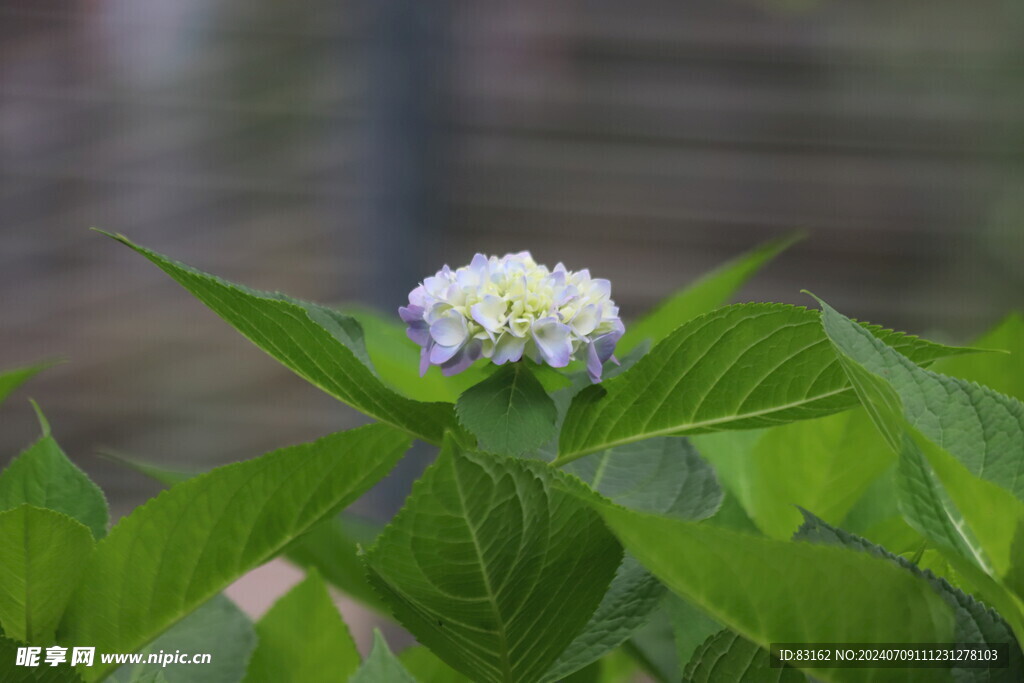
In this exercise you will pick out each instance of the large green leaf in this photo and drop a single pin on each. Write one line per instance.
(303, 638)
(396, 359)
(1003, 372)
(980, 427)
(959, 458)
(41, 561)
(509, 412)
(740, 367)
(780, 591)
(330, 547)
(702, 296)
(12, 379)
(43, 476)
(971, 437)
(319, 344)
(823, 465)
(664, 475)
(627, 605)
(218, 628)
(975, 622)
(493, 567)
(182, 547)
(727, 657)
(11, 672)
(381, 665)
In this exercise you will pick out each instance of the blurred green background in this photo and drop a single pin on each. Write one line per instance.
(340, 151)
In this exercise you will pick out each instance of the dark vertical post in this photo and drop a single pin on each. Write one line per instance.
(407, 91)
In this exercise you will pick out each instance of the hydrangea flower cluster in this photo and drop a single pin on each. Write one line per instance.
(509, 307)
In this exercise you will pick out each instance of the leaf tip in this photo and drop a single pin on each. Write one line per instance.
(113, 235)
(824, 305)
(44, 424)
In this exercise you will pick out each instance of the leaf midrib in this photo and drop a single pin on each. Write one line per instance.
(675, 429)
(506, 665)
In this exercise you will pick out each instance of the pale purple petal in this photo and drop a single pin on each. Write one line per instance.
(419, 332)
(508, 349)
(479, 263)
(442, 354)
(450, 330)
(417, 297)
(490, 312)
(554, 341)
(585, 320)
(606, 342)
(601, 350)
(594, 364)
(410, 313)
(601, 287)
(466, 356)
(424, 359)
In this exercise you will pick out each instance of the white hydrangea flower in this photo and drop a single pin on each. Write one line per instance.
(509, 307)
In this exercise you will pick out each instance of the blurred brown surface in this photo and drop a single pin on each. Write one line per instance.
(648, 141)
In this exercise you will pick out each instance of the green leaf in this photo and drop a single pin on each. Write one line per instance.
(961, 446)
(43, 476)
(740, 367)
(41, 562)
(12, 379)
(381, 666)
(319, 344)
(1003, 372)
(727, 657)
(627, 605)
(493, 567)
(217, 628)
(664, 475)
(975, 623)
(426, 667)
(330, 547)
(824, 465)
(184, 546)
(10, 672)
(509, 412)
(779, 591)
(702, 296)
(981, 428)
(302, 637)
